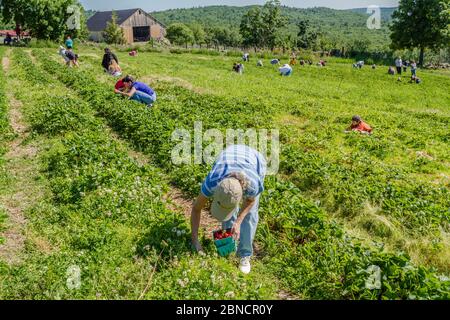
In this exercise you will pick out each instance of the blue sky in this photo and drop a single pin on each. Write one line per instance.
(156, 5)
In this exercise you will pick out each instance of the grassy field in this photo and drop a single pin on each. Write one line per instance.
(101, 223)
(409, 149)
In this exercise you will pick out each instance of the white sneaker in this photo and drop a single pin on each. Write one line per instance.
(245, 265)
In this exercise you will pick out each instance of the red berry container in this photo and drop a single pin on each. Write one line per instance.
(225, 246)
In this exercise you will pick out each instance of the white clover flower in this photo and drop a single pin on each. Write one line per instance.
(181, 283)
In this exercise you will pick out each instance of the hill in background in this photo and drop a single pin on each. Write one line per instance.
(343, 24)
(231, 15)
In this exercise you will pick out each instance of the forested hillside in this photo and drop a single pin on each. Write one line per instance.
(350, 25)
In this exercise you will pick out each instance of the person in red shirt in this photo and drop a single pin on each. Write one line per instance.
(359, 125)
(120, 86)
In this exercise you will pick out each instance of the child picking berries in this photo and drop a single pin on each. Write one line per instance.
(359, 125)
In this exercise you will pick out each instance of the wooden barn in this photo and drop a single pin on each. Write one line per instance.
(138, 25)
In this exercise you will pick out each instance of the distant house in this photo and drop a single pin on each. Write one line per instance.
(138, 25)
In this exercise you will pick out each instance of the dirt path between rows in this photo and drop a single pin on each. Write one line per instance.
(32, 57)
(177, 202)
(6, 62)
(20, 194)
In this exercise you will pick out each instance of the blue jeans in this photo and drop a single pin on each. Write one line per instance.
(142, 97)
(248, 230)
(413, 72)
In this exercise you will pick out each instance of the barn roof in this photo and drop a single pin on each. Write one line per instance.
(13, 33)
(98, 21)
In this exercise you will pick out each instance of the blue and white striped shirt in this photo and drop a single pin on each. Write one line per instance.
(237, 158)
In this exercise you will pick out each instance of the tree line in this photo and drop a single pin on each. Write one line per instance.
(416, 24)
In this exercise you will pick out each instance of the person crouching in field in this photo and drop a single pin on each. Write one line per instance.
(415, 79)
(285, 70)
(275, 62)
(391, 71)
(110, 63)
(293, 61)
(69, 56)
(137, 91)
(238, 67)
(235, 184)
(259, 63)
(359, 125)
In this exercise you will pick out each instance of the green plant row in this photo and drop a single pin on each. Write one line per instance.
(417, 206)
(310, 254)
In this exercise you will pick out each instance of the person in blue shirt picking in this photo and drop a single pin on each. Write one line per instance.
(285, 70)
(235, 184)
(275, 62)
(138, 91)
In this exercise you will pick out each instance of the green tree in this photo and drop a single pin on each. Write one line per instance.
(359, 46)
(420, 24)
(324, 43)
(307, 38)
(272, 23)
(260, 27)
(45, 19)
(227, 37)
(113, 33)
(251, 28)
(180, 34)
(446, 17)
(199, 34)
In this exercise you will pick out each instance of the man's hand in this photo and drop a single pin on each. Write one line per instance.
(248, 205)
(236, 230)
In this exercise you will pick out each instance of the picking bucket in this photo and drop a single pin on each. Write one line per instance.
(225, 246)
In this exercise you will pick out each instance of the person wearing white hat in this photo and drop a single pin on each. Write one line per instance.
(234, 183)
